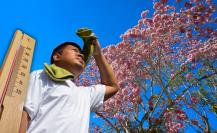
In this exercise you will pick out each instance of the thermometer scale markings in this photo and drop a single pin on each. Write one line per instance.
(16, 78)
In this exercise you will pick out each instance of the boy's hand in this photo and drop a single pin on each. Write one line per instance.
(97, 48)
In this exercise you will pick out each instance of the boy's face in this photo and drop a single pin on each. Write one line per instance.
(71, 59)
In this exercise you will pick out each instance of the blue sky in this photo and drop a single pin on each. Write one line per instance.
(51, 22)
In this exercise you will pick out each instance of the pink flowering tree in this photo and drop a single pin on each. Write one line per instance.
(166, 67)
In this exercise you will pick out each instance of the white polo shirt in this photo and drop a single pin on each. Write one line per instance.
(60, 107)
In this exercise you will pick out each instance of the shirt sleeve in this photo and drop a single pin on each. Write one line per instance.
(97, 93)
(33, 96)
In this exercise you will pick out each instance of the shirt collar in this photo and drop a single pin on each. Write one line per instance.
(70, 83)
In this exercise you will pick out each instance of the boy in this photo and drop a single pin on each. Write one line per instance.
(63, 107)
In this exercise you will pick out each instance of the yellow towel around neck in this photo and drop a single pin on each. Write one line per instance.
(57, 73)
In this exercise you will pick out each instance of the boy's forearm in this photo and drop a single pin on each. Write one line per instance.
(24, 122)
(106, 72)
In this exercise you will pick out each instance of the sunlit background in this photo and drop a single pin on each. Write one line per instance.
(52, 22)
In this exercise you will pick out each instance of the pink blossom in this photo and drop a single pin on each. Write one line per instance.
(194, 122)
(150, 102)
(172, 76)
(136, 90)
(189, 34)
(209, 2)
(189, 75)
(144, 13)
(166, 17)
(125, 92)
(160, 30)
(158, 5)
(181, 115)
(194, 99)
(156, 18)
(188, 5)
(121, 84)
(149, 22)
(164, 1)
(170, 8)
(126, 98)
(173, 126)
(212, 8)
